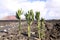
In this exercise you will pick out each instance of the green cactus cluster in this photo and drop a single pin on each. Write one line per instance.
(40, 26)
(30, 18)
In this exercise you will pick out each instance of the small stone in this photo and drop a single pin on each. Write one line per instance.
(36, 38)
(3, 36)
(5, 30)
(6, 39)
(1, 26)
(33, 33)
(11, 35)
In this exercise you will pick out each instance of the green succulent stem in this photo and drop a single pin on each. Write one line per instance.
(38, 25)
(19, 26)
(29, 31)
(42, 29)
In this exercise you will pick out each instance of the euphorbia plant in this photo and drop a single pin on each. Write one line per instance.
(29, 17)
(42, 28)
(18, 16)
(37, 17)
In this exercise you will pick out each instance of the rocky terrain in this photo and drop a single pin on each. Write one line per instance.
(9, 30)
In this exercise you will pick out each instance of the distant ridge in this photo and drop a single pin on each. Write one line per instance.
(9, 18)
(13, 17)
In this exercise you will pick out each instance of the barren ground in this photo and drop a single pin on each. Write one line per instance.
(9, 30)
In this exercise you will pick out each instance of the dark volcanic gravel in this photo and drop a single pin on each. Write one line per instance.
(9, 31)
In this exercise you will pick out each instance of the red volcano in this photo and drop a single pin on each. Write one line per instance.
(10, 18)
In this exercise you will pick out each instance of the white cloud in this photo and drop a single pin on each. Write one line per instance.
(53, 7)
(3, 15)
(13, 5)
(49, 9)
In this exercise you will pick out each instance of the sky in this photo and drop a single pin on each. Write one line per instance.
(49, 9)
